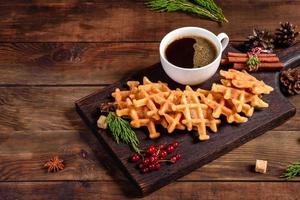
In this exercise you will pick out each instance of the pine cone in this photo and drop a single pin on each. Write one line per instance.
(296, 88)
(284, 79)
(260, 38)
(286, 34)
(290, 81)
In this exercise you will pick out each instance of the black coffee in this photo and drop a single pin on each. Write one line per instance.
(191, 52)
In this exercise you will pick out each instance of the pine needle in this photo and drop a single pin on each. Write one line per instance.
(292, 171)
(212, 7)
(121, 131)
(203, 8)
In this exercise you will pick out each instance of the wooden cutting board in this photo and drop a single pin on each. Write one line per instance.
(194, 153)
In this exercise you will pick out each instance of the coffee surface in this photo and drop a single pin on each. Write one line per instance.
(191, 52)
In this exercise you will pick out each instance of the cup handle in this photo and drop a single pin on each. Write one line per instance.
(224, 39)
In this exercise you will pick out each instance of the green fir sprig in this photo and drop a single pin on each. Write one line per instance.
(204, 8)
(292, 171)
(122, 131)
(212, 7)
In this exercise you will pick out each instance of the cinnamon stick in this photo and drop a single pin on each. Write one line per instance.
(232, 54)
(245, 59)
(261, 66)
(224, 61)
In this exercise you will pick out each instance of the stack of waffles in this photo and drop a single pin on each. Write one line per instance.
(149, 104)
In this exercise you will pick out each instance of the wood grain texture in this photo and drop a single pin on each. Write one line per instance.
(57, 64)
(24, 153)
(72, 63)
(51, 109)
(40, 109)
(181, 190)
(227, 138)
(75, 20)
(37, 122)
(279, 110)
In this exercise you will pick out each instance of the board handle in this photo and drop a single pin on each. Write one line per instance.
(290, 56)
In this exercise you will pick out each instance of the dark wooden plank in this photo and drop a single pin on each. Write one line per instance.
(22, 109)
(292, 124)
(40, 109)
(72, 63)
(40, 21)
(129, 20)
(279, 148)
(31, 149)
(39, 122)
(229, 136)
(177, 191)
(55, 64)
(23, 154)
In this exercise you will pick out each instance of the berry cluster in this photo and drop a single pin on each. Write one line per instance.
(151, 158)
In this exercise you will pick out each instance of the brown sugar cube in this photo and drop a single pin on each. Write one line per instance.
(101, 123)
(261, 166)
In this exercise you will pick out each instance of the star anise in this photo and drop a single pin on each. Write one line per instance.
(54, 164)
(106, 107)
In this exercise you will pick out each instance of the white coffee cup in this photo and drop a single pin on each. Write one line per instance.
(192, 76)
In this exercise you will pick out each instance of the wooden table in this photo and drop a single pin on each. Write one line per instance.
(55, 52)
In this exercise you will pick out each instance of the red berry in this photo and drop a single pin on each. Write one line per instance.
(178, 156)
(146, 161)
(151, 150)
(135, 157)
(157, 166)
(153, 159)
(175, 144)
(141, 166)
(145, 170)
(170, 148)
(152, 167)
(163, 154)
(160, 146)
(173, 159)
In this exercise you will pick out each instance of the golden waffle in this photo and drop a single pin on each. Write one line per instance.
(147, 99)
(138, 118)
(149, 104)
(120, 96)
(172, 122)
(217, 103)
(154, 87)
(149, 94)
(239, 97)
(193, 112)
(244, 80)
(166, 105)
(211, 122)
